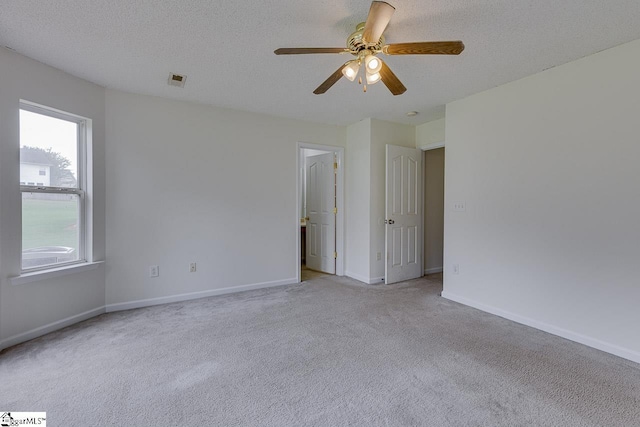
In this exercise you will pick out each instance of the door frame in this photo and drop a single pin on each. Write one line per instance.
(340, 249)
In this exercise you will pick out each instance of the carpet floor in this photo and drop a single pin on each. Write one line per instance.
(328, 352)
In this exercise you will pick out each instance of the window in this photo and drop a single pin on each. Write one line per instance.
(52, 154)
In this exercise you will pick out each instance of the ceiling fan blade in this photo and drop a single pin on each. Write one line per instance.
(333, 79)
(379, 16)
(391, 81)
(425, 48)
(303, 50)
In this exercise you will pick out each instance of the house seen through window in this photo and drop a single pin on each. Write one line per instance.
(52, 184)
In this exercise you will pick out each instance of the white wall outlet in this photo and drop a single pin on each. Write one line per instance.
(459, 206)
(379, 256)
(154, 271)
(456, 269)
(192, 267)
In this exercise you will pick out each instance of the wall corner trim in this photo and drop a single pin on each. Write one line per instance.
(554, 330)
(363, 279)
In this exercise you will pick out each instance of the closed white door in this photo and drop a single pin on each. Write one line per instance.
(321, 216)
(403, 239)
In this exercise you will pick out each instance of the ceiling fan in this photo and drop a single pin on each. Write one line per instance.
(367, 42)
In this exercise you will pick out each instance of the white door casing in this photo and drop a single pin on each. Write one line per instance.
(321, 222)
(403, 229)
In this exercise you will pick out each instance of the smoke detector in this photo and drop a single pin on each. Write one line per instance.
(177, 79)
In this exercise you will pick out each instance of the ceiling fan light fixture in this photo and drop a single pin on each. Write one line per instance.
(366, 43)
(373, 78)
(350, 71)
(373, 64)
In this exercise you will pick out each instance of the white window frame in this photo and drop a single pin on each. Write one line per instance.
(83, 180)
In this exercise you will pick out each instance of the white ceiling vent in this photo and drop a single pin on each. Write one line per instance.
(177, 79)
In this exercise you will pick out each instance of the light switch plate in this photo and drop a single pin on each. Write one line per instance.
(459, 206)
(154, 271)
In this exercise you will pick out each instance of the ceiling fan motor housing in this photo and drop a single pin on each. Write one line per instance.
(356, 45)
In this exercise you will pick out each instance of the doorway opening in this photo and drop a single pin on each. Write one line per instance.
(434, 210)
(319, 211)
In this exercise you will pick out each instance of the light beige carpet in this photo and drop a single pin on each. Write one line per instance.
(329, 352)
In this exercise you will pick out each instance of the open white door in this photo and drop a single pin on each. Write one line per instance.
(321, 215)
(403, 239)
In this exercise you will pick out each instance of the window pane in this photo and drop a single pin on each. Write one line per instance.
(50, 229)
(48, 151)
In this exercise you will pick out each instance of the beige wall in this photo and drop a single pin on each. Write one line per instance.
(548, 168)
(430, 135)
(193, 183)
(433, 210)
(358, 199)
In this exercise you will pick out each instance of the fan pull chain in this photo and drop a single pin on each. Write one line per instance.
(360, 80)
(365, 88)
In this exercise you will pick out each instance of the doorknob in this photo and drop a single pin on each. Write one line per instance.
(389, 221)
(306, 218)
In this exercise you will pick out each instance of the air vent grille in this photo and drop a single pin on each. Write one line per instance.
(177, 79)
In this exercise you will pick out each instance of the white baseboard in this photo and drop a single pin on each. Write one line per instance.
(363, 279)
(195, 295)
(357, 277)
(564, 333)
(54, 326)
(433, 270)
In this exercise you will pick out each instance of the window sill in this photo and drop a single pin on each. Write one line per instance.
(37, 276)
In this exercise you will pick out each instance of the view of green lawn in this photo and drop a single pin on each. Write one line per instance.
(49, 222)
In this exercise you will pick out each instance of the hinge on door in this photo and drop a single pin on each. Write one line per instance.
(335, 255)
(335, 210)
(335, 166)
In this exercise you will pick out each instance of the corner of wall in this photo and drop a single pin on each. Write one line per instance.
(431, 134)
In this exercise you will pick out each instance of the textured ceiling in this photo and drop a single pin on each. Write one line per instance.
(226, 48)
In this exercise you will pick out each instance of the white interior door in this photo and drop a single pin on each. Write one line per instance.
(321, 216)
(403, 239)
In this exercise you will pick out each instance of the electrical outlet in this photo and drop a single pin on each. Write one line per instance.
(154, 271)
(192, 267)
(456, 269)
